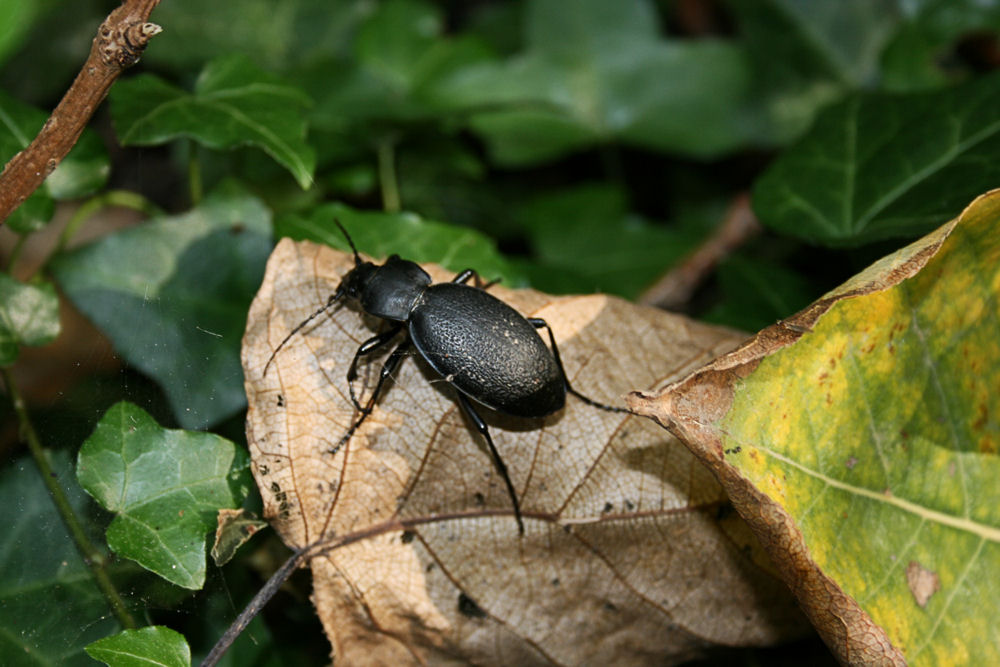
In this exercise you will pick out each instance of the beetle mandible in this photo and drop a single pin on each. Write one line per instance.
(485, 349)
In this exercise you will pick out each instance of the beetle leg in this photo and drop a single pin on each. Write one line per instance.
(464, 276)
(387, 369)
(464, 403)
(367, 347)
(539, 323)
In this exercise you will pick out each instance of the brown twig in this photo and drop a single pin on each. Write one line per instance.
(120, 42)
(675, 288)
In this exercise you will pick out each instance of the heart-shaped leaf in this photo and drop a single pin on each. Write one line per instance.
(172, 294)
(165, 486)
(598, 71)
(233, 104)
(878, 166)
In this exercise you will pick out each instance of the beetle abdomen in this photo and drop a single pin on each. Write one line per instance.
(487, 350)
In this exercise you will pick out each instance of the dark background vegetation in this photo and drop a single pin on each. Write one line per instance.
(589, 145)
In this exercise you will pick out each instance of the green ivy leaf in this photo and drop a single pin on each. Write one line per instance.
(806, 54)
(173, 293)
(397, 36)
(29, 315)
(883, 166)
(598, 73)
(234, 103)
(165, 486)
(82, 172)
(838, 41)
(51, 607)
(405, 234)
(277, 36)
(152, 645)
(400, 52)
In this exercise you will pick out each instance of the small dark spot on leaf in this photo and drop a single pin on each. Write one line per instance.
(406, 537)
(609, 606)
(429, 568)
(555, 582)
(275, 488)
(281, 401)
(480, 499)
(468, 607)
(607, 508)
(237, 228)
(629, 505)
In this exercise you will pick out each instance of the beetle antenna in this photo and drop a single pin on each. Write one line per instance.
(357, 258)
(332, 300)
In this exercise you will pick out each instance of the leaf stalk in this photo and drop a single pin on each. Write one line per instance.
(92, 556)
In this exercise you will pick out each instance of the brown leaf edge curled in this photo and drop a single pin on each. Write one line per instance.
(119, 43)
(688, 407)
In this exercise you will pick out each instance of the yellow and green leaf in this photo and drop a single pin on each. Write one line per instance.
(872, 421)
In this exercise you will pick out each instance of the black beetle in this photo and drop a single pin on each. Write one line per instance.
(477, 343)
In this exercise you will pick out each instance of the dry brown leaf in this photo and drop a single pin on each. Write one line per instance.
(630, 556)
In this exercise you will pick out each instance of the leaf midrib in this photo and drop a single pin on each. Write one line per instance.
(984, 531)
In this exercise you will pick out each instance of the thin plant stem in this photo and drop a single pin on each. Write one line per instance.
(195, 186)
(386, 150)
(15, 252)
(120, 198)
(91, 555)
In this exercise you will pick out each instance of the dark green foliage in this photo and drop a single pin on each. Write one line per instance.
(574, 146)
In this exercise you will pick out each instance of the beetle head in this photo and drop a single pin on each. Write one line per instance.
(350, 286)
(353, 283)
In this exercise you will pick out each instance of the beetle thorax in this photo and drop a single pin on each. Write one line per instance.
(388, 291)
